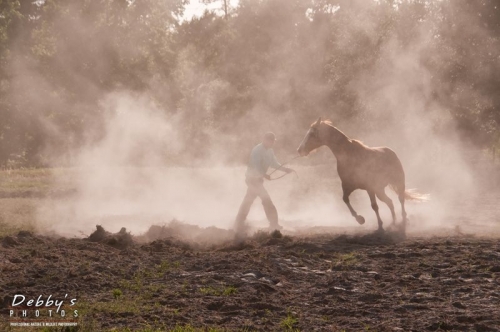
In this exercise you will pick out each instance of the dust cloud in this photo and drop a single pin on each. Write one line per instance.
(135, 174)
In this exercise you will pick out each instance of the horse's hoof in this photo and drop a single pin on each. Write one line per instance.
(360, 220)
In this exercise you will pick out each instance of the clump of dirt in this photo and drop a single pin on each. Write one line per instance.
(120, 240)
(276, 234)
(178, 234)
(9, 241)
(191, 235)
(24, 234)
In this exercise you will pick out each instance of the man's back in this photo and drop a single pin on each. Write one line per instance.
(261, 158)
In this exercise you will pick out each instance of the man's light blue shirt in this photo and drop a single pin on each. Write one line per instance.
(260, 161)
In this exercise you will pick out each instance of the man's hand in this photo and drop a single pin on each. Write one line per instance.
(288, 170)
(267, 177)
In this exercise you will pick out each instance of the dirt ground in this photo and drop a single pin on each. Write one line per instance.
(267, 282)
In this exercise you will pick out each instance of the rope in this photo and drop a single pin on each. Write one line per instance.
(279, 177)
(282, 165)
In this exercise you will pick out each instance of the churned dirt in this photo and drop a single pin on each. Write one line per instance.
(267, 282)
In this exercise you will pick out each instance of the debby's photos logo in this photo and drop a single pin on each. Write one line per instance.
(43, 311)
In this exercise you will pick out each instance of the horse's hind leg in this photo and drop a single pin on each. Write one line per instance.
(400, 190)
(373, 200)
(398, 184)
(347, 191)
(384, 198)
(402, 201)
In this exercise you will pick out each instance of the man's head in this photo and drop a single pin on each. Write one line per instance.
(269, 139)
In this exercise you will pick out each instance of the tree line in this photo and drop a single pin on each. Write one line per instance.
(230, 70)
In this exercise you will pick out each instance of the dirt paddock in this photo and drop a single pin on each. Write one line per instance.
(267, 282)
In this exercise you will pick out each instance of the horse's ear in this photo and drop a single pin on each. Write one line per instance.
(319, 121)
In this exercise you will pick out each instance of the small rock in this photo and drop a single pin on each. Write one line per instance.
(458, 305)
(335, 290)
(253, 274)
(268, 280)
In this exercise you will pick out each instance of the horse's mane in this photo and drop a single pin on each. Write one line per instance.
(327, 122)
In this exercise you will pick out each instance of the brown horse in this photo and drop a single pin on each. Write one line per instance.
(361, 167)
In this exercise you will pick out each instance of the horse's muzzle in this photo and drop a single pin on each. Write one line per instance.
(302, 151)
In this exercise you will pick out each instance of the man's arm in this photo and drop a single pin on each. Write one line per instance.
(274, 162)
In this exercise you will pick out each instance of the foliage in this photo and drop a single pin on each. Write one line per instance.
(272, 59)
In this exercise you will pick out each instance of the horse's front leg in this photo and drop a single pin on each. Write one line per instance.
(373, 200)
(347, 191)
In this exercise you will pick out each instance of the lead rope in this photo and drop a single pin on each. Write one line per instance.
(279, 177)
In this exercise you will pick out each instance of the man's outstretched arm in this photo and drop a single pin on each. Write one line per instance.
(275, 164)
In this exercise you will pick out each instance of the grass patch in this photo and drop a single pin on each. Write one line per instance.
(17, 214)
(117, 293)
(230, 291)
(289, 323)
(227, 291)
(18, 188)
(348, 259)
(210, 291)
(35, 179)
(163, 267)
(114, 307)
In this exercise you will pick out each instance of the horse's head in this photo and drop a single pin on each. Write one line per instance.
(313, 139)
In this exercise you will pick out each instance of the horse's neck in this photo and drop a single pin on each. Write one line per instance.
(338, 143)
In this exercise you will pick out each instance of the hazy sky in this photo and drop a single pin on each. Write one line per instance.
(196, 8)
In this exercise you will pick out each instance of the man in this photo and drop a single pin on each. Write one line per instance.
(261, 158)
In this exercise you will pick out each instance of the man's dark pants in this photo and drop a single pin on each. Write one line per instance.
(256, 189)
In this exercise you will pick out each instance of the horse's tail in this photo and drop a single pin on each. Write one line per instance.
(413, 195)
(398, 182)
